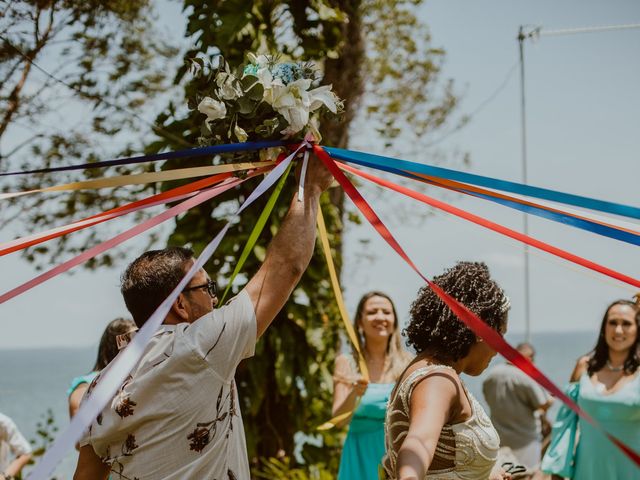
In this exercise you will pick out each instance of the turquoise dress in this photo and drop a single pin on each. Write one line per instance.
(77, 381)
(364, 447)
(619, 413)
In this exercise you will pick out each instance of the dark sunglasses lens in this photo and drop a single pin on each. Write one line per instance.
(213, 291)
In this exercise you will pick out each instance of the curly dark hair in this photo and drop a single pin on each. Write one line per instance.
(600, 354)
(435, 329)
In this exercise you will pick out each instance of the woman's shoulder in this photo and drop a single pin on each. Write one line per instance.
(345, 364)
(421, 372)
(582, 364)
(79, 380)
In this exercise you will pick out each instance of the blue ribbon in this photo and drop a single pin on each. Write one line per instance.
(582, 224)
(384, 163)
(192, 152)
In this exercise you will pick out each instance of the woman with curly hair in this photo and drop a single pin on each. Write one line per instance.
(435, 429)
(379, 340)
(607, 387)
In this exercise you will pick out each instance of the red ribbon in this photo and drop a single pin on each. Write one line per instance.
(481, 329)
(470, 189)
(496, 227)
(118, 239)
(169, 196)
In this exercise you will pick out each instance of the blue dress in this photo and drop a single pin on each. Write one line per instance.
(364, 447)
(619, 413)
(77, 381)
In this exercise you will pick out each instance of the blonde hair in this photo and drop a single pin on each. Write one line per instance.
(396, 358)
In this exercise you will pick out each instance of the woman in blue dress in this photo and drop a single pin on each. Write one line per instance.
(107, 351)
(379, 338)
(609, 390)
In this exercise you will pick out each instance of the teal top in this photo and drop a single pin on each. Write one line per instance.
(364, 447)
(619, 413)
(88, 378)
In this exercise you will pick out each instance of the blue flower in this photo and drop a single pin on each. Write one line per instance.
(287, 72)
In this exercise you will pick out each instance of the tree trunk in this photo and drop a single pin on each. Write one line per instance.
(345, 74)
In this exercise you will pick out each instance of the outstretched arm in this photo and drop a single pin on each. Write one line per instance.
(432, 401)
(290, 251)
(17, 465)
(347, 387)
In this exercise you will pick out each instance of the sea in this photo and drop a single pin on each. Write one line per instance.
(34, 382)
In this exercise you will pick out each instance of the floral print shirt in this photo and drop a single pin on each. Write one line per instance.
(177, 415)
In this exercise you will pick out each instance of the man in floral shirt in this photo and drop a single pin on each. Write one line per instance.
(177, 415)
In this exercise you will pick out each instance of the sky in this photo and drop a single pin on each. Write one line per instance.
(583, 135)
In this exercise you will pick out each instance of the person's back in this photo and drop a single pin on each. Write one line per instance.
(513, 399)
(182, 394)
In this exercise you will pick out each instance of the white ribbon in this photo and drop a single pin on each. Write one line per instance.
(303, 175)
(115, 373)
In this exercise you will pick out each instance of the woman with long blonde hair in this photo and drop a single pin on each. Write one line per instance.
(376, 322)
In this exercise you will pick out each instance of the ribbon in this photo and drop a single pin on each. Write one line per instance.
(167, 196)
(348, 325)
(257, 230)
(142, 178)
(122, 237)
(303, 175)
(497, 228)
(192, 152)
(626, 233)
(481, 329)
(384, 163)
(119, 368)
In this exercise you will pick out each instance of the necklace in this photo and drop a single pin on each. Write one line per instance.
(614, 369)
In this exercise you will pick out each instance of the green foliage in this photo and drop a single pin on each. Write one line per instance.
(265, 99)
(108, 61)
(403, 92)
(275, 469)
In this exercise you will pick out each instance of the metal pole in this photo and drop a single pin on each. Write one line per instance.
(527, 300)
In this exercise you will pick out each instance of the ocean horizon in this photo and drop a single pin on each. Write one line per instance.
(34, 381)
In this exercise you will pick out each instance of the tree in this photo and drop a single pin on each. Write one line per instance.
(73, 76)
(379, 58)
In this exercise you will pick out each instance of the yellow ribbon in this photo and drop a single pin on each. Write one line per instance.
(141, 178)
(335, 284)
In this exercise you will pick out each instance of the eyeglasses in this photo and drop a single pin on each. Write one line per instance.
(211, 287)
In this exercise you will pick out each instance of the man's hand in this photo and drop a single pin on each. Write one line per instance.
(318, 176)
(360, 386)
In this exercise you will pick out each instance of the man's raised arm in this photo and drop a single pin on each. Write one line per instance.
(290, 251)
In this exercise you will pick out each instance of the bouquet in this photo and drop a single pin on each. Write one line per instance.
(264, 100)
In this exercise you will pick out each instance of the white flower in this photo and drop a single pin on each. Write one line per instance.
(291, 101)
(296, 117)
(241, 134)
(228, 89)
(213, 109)
(323, 95)
(260, 60)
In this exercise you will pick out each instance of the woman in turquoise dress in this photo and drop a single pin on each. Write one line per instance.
(107, 351)
(609, 391)
(379, 339)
